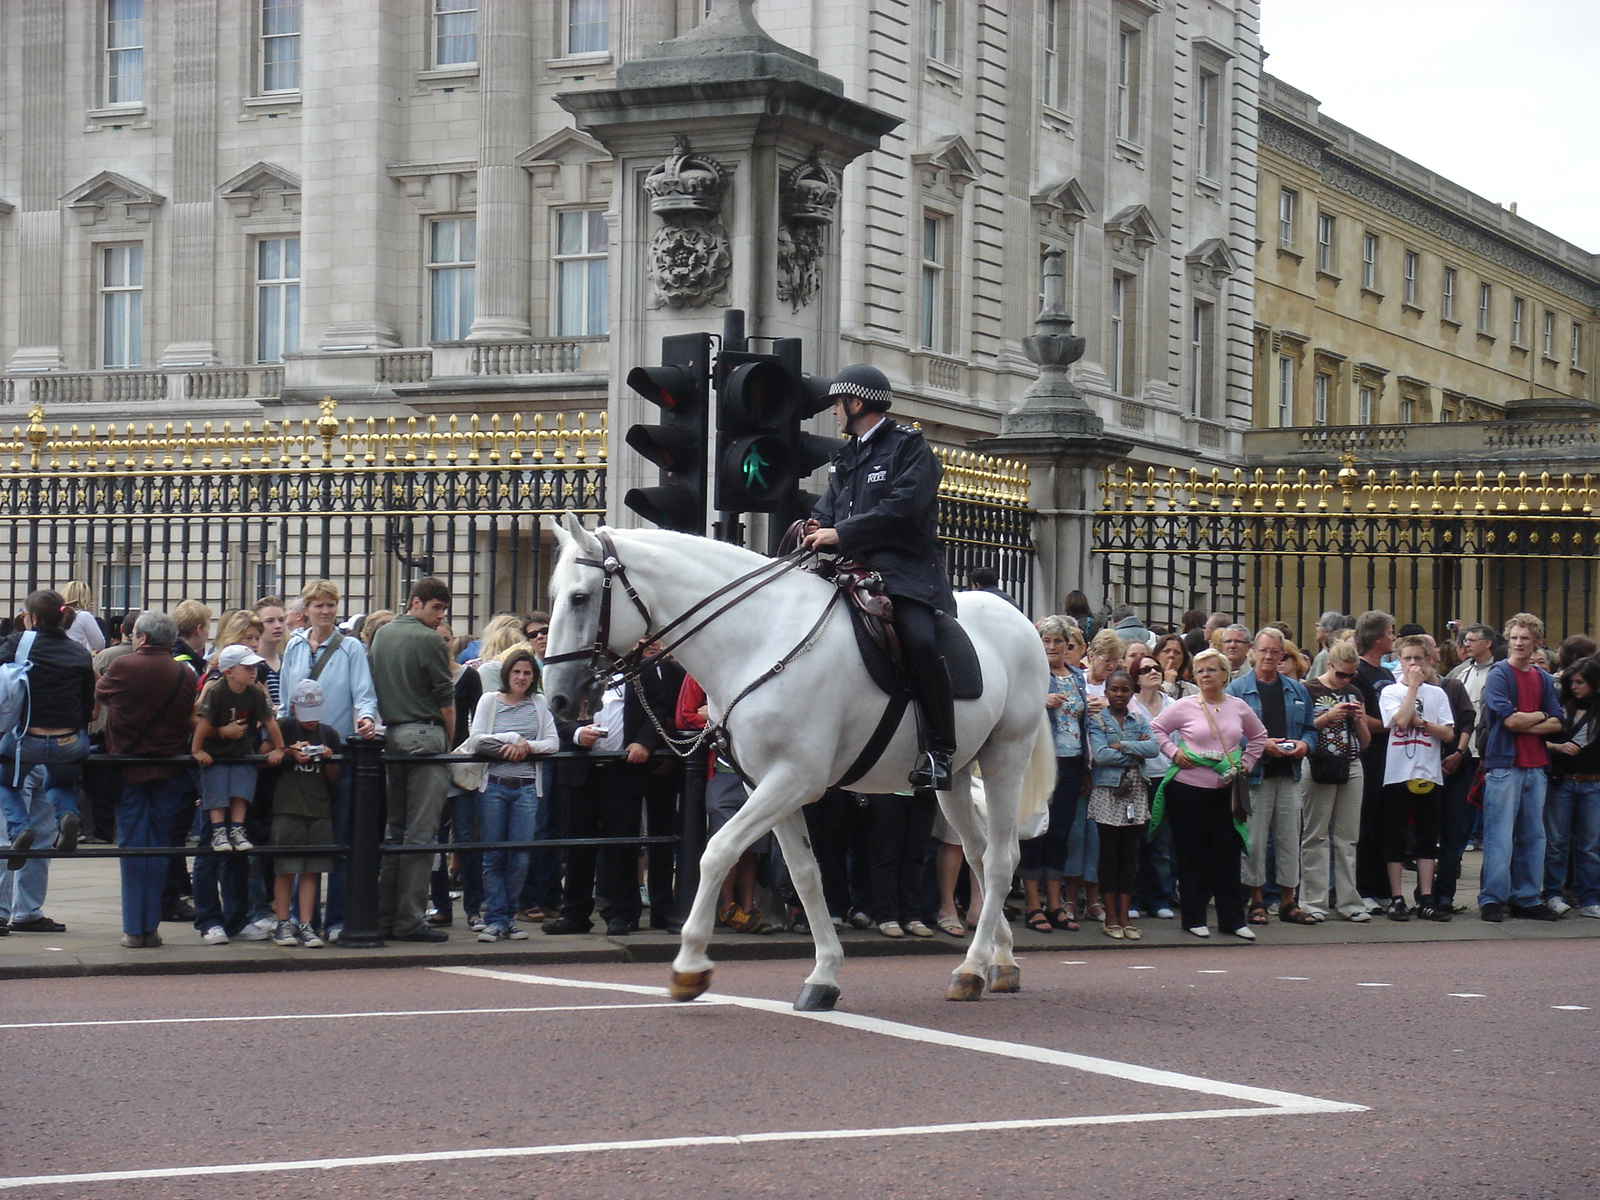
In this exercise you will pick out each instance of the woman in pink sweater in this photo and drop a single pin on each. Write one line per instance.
(1199, 798)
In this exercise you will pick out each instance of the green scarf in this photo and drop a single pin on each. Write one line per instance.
(1232, 761)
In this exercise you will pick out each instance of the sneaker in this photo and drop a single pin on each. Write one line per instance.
(333, 933)
(258, 931)
(1200, 931)
(1558, 906)
(214, 936)
(1361, 916)
(1245, 932)
(918, 929)
(1133, 914)
(1589, 910)
(515, 933)
(1492, 912)
(132, 941)
(891, 929)
(1532, 912)
(859, 919)
(1164, 913)
(219, 839)
(284, 934)
(476, 923)
(1372, 906)
(1397, 910)
(492, 933)
(236, 838)
(308, 937)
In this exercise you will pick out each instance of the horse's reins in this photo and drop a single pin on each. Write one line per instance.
(607, 667)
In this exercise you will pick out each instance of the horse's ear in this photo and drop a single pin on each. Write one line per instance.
(576, 532)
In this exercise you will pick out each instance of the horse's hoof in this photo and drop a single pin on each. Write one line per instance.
(964, 986)
(817, 997)
(686, 985)
(1005, 979)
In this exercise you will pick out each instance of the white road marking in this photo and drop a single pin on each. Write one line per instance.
(332, 1016)
(1270, 1102)
(1295, 978)
(1374, 985)
(1141, 968)
(1571, 1007)
(1217, 971)
(1469, 995)
(1074, 962)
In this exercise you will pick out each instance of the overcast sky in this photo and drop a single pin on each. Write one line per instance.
(1496, 95)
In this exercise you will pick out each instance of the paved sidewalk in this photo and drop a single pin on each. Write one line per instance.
(85, 896)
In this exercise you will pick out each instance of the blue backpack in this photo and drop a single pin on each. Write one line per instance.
(16, 700)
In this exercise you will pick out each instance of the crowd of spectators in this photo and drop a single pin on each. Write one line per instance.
(1211, 773)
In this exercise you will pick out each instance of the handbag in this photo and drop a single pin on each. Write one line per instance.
(468, 776)
(1240, 797)
(1329, 768)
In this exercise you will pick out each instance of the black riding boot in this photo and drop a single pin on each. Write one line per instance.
(939, 727)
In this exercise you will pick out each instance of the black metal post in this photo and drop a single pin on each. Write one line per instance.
(692, 839)
(364, 761)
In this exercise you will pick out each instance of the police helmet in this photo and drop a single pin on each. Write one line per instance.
(868, 384)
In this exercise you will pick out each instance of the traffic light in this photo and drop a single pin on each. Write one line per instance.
(756, 399)
(763, 451)
(681, 387)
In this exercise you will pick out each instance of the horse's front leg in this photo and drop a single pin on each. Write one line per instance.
(821, 990)
(691, 969)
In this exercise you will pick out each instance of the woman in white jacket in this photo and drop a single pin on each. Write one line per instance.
(513, 723)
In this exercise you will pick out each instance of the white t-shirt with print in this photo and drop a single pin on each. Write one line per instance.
(1413, 752)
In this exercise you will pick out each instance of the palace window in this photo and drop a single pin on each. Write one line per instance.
(1447, 295)
(280, 45)
(934, 332)
(455, 32)
(124, 67)
(452, 254)
(588, 26)
(1548, 335)
(1485, 305)
(1577, 346)
(1286, 205)
(1369, 261)
(1202, 336)
(277, 298)
(1319, 399)
(122, 588)
(1120, 358)
(1129, 48)
(943, 19)
(1519, 308)
(1325, 242)
(1364, 406)
(1053, 71)
(1409, 286)
(581, 239)
(1207, 134)
(121, 305)
(1285, 391)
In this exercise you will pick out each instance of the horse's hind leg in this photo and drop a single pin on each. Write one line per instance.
(821, 989)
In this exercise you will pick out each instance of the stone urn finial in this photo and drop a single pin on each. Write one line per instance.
(1053, 345)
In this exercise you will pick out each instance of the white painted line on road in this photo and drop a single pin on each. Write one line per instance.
(1374, 985)
(1270, 1102)
(1295, 978)
(1217, 971)
(332, 1016)
(1469, 995)
(1130, 1072)
(1074, 962)
(1571, 1007)
(1141, 968)
(1030, 1124)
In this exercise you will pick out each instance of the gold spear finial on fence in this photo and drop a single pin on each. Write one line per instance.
(327, 425)
(37, 434)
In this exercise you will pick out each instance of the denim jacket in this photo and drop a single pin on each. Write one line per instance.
(1500, 701)
(1138, 744)
(1297, 711)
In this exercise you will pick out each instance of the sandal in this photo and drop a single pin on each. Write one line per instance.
(1037, 921)
(1295, 915)
(1257, 913)
(1063, 918)
(533, 916)
(1094, 916)
(952, 926)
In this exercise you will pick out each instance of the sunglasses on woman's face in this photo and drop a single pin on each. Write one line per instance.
(1149, 670)
(1344, 674)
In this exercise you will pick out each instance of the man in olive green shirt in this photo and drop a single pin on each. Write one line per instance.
(416, 698)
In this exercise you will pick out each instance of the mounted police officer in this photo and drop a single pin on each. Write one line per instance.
(882, 509)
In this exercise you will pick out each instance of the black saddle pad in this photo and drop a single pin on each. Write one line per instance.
(966, 673)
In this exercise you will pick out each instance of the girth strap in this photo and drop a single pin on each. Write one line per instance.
(893, 713)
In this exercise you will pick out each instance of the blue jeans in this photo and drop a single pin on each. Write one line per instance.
(507, 812)
(61, 757)
(1513, 836)
(1572, 823)
(146, 815)
(459, 824)
(22, 892)
(221, 891)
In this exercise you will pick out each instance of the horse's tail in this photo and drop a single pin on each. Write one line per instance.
(1040, 781)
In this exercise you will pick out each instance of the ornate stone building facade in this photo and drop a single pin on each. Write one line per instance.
(214, 210)
(1407, 321)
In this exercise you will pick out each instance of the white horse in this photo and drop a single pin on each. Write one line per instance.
(800, 731)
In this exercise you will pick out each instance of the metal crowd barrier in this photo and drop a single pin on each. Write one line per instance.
(364, 852)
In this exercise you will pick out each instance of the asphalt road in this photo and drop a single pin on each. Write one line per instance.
(1437, 1070)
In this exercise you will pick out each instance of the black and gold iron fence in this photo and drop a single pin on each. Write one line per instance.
(154, 515)
(1428, 548)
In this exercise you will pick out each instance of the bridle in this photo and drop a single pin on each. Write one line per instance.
(605, 668)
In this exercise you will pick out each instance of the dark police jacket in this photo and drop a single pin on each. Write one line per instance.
(883, 498)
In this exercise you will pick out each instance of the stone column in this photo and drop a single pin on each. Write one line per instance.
(353, 239)
(190, 275)
(641, 25)
(505, 82)
(1065, 446)
(743, 139)
(38, 214)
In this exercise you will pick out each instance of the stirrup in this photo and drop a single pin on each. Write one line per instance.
(932, 771)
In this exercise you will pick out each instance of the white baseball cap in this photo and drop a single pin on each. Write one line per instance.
(238, 655)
